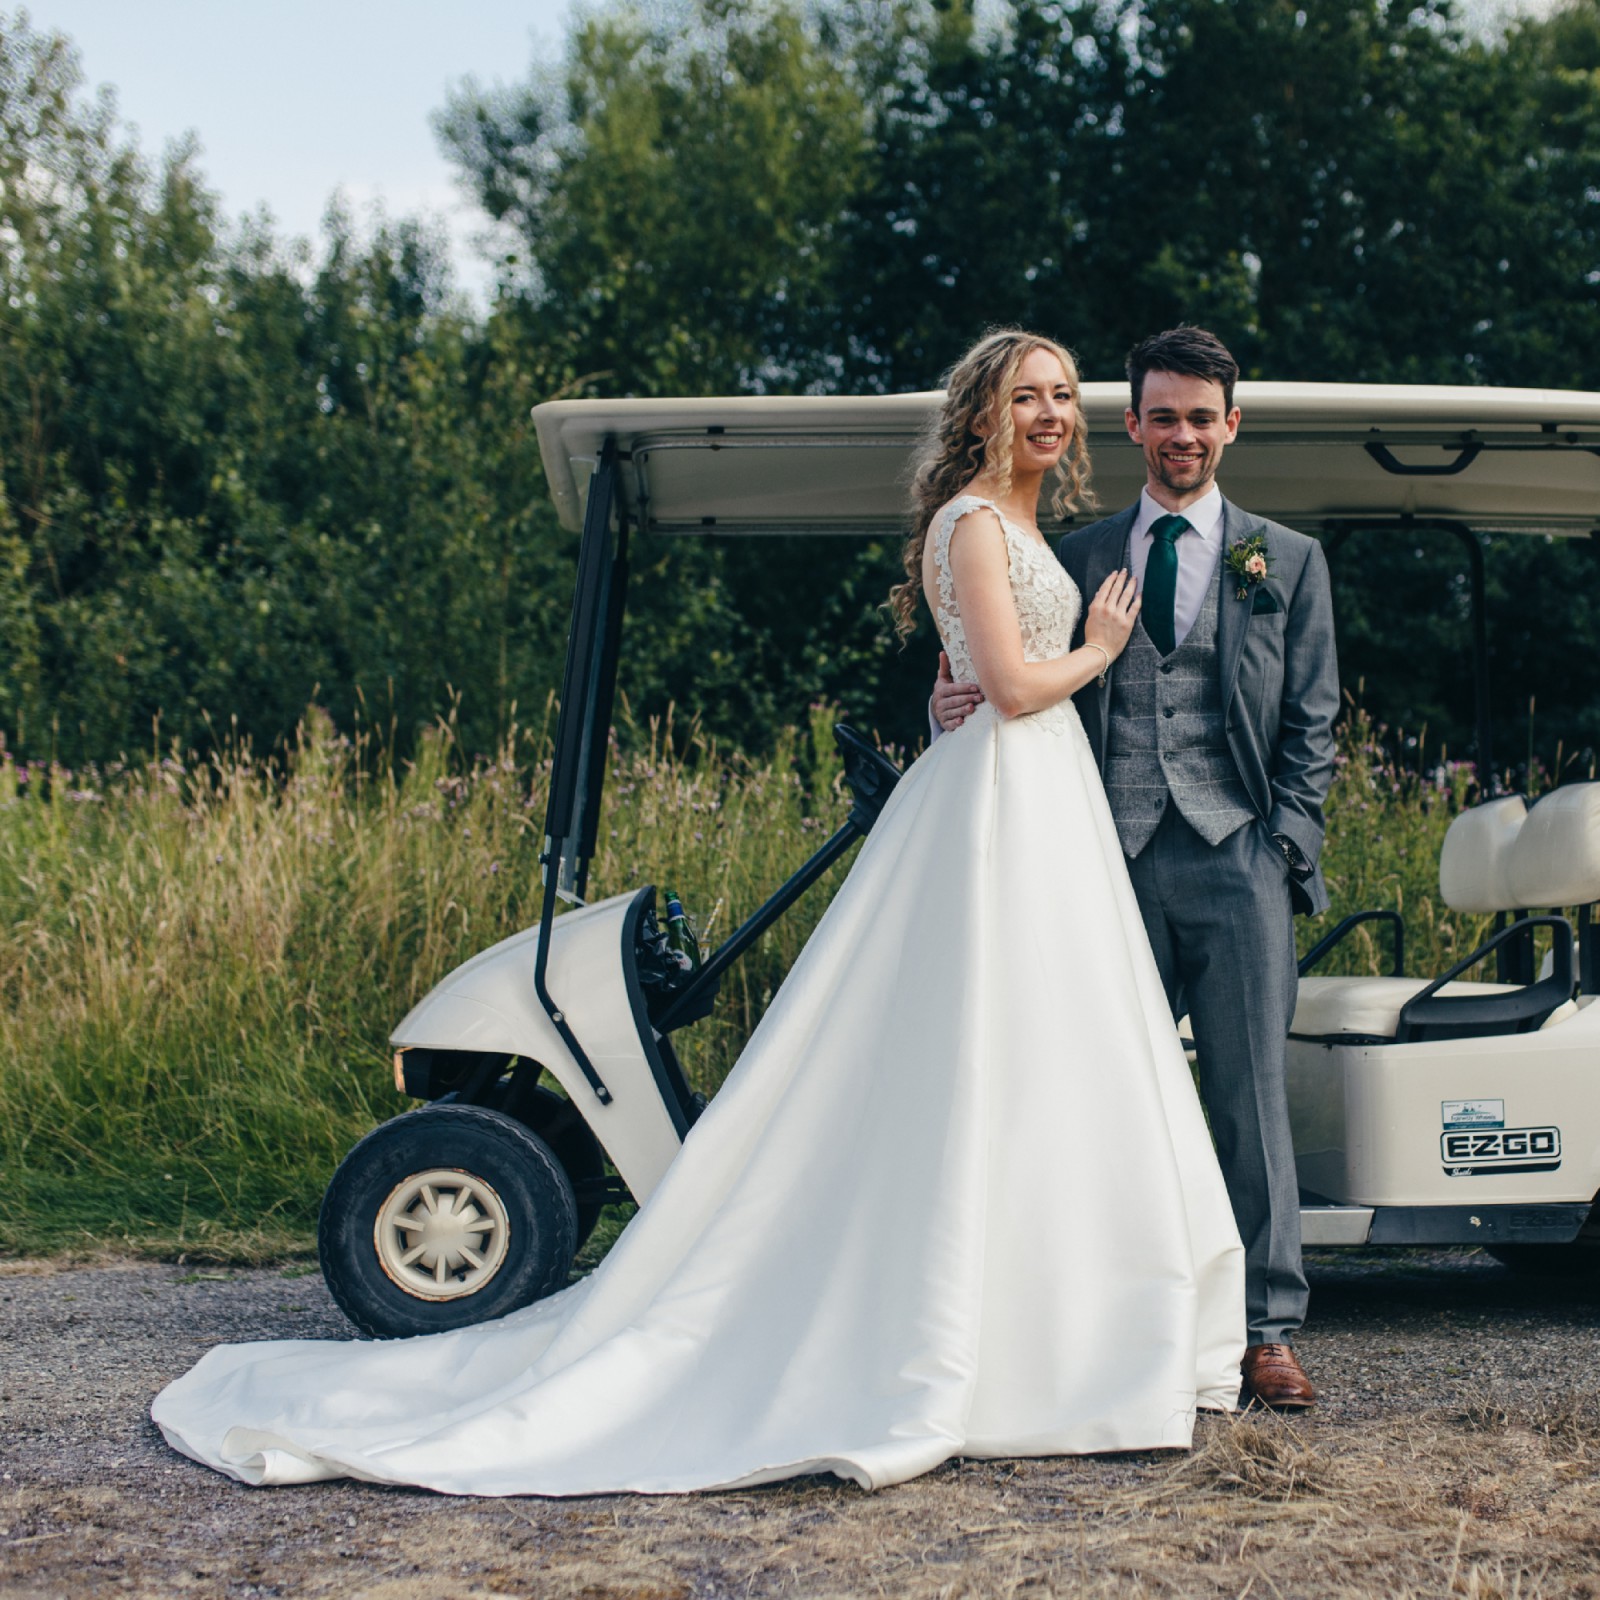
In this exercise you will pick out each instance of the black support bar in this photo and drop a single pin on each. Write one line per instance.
(598, 722)
(584, 675)
(1429, 1014)
(755, 925)
(871, 778)
(1354, 920)
(1387, 459)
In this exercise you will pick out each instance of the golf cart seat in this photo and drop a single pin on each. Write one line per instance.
(1371, 1008)
(1502, 858)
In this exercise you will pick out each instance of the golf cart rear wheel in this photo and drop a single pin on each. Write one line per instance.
(445, 1217)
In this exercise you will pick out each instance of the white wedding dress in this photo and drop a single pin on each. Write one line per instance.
(957, 1198)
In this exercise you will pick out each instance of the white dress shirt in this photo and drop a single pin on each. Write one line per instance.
(1199, 551)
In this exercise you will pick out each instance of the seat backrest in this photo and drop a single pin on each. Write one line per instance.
(1475, 861)
(1555, 858)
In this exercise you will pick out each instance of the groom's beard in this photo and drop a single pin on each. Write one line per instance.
(1193, 478)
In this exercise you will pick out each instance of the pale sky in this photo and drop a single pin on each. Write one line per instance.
(293, 99)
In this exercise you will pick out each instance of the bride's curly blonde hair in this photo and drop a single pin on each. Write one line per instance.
(972, 434)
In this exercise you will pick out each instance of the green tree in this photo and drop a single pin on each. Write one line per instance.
(677, 198)
(108, 284)
(1352, 190)
(227, 488)
(234, 478)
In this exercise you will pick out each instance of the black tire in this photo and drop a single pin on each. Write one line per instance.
(1580, 1259)
(560, 1124)
(516, 1206)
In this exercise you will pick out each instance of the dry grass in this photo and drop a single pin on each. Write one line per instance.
(1456, 1453)
(1258, 1455)
(1413, 1510)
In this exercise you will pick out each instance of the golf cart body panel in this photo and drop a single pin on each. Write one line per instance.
(489, 1005)
(1460, 1104)
(1398, 1124)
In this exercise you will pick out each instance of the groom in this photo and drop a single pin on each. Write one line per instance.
(1214, 733)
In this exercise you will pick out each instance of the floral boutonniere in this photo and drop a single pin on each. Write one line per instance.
(1249, 563)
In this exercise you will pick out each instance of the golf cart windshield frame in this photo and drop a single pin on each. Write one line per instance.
(583, 726)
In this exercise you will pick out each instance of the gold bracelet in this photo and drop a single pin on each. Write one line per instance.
(1089, 644)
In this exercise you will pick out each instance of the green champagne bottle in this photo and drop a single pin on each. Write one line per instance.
(681, 938)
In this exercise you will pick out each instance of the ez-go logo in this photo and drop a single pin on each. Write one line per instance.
(1468, 1151)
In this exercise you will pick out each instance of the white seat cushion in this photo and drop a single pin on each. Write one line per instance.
(1368, 1005)
(1554, 859)
(1475, 861)
(1328, 1006)
(1567, 1008)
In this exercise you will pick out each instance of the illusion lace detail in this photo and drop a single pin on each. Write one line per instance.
(1047, 602)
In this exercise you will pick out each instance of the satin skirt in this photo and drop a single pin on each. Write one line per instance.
(957, 1198)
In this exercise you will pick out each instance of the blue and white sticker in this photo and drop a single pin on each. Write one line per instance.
(1473, 1113)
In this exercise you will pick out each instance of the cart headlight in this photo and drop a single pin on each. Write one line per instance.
(400, 1071)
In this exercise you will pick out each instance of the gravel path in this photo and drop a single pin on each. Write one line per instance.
(1457, 1451)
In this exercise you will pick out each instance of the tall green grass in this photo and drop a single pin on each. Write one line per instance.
(1391, 804)
(200, 963)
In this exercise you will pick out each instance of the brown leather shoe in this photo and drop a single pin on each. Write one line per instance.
(1275, 1378)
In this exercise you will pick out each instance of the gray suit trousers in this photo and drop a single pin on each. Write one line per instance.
(1221, 926)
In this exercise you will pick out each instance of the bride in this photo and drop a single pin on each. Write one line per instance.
(956, 1199)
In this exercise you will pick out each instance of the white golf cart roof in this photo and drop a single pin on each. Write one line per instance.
(1514, 460)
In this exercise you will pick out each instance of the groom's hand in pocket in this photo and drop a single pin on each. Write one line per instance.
(953, 702)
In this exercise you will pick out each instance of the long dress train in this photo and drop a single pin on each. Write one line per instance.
(957, 1198)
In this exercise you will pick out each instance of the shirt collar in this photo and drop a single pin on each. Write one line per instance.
(1204, 516)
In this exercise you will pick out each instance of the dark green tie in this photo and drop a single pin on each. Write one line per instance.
(1161, 581)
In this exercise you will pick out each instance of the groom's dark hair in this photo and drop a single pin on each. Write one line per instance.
(1189, 350)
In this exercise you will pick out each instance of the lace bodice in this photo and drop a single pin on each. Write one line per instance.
(1047, 600)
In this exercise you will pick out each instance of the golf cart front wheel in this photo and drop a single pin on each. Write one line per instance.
(445, 1217)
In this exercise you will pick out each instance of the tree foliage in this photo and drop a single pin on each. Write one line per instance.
(234, 477)
(232, 482)
(679, 201)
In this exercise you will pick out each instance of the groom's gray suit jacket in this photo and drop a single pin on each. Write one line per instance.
(1279, 675)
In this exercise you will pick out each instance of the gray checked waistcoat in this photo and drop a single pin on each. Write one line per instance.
(1165, 739)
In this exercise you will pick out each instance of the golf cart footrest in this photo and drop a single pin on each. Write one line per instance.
(1323, 1224)
(601, 1191)
(1549, 1224)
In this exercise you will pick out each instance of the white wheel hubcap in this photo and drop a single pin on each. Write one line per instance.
(442, 1234)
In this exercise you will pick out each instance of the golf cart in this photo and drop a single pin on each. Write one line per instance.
(1436, 1108)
